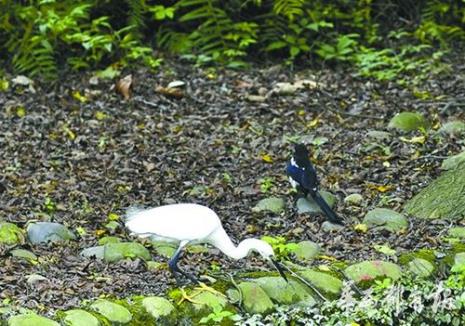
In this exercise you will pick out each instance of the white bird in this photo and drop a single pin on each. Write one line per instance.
(192, 223)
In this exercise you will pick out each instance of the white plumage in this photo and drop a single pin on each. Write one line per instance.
(191, 223)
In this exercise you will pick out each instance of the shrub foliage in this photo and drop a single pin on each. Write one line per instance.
(381, 38)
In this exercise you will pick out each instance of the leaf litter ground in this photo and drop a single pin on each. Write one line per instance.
(87, 152)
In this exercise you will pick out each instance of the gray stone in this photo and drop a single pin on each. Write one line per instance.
(308, 205)
(387, 219)
(42, 232)
(327, 226)
(33, 279)
(353, 199)
(271, 204)
(93, 252)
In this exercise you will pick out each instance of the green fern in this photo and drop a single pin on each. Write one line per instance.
(216, 36)
(36, 58)
(290, 9)
(137, 9)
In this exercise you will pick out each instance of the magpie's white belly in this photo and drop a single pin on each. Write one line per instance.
(293, 182)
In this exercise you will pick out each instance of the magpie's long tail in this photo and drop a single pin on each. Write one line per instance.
(332, 217)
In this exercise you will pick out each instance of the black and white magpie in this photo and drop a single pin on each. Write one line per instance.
(302, 176)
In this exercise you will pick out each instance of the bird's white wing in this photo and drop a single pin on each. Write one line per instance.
(174, 222)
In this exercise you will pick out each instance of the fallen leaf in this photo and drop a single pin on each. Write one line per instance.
(100, 232)
(414, 140)
(20, 112)
(78, 96)
(361, 228)
(324, 257)
(380, 188)
(324, 268)
(123, 86)
(171, 92)
(313, 123)
(267, 158)
(113, 217)
(384, 249)
(99, 115)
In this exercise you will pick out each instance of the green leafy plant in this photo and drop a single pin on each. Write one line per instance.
(218, 315)
(266, 184)
(280, 246)
(342, 50)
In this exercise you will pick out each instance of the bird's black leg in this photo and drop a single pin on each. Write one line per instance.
(175, 270)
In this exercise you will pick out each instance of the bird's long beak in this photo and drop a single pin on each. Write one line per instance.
(279, 268)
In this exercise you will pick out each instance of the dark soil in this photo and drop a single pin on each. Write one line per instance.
(155, 149)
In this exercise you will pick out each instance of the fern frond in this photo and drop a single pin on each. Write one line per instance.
(36, 58)
(136, 13)
(289, 8)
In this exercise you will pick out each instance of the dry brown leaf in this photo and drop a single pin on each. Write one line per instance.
(123, 86)
(171, 92)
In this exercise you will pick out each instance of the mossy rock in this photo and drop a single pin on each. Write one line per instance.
(255, 299)
(459, 259)
(208, 300)
(10, 234)
(453, 162)
(453, 128)
(271, 204)
(306, 250)
(308, 205)
(284, 292)
(165, 249)
(114, 252)
(158, 307)
(322, 281)
(457, 232)
(353, 199)
(421, 267)
(110, 239)
(409, 121)
(43, 232)
(386, 219)
(79, 317)
(426, 254)
(368, 271)
(31, 320)
(444, 198)
(27, 255)
(114, 312)
(98, 252)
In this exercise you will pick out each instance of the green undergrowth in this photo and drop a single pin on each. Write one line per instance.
(38, 37)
